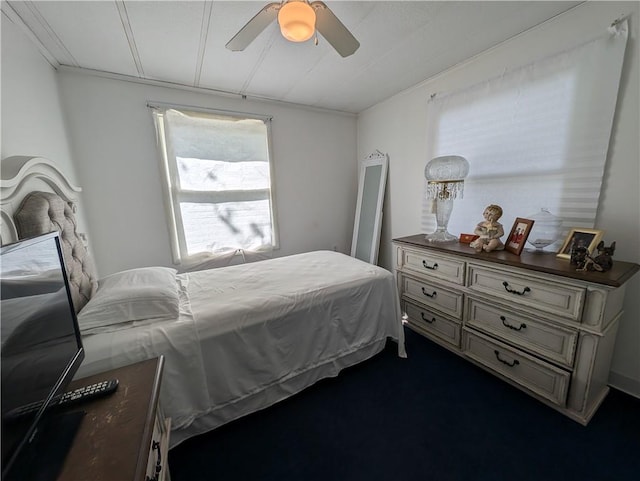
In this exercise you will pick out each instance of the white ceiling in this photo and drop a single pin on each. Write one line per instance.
(183, 42)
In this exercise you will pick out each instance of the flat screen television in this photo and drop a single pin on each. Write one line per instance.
(41, 350)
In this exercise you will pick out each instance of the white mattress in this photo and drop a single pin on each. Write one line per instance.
(253, 334)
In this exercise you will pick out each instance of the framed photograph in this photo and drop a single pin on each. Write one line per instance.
(518, 235)
(579, 237)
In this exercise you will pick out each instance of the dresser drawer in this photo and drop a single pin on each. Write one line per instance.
(433, 265)
(433, 295)
(433, 323)
(554, 342)
(537, 376)
(528, 291)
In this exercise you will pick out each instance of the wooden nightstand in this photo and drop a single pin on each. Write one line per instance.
(124, 435)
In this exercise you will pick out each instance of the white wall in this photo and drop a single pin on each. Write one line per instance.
(113, 138)
(32, 115)
(398, 126)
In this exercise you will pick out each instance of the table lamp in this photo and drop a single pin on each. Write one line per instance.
(445, 182)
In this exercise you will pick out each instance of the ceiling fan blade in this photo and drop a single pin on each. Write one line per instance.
(254, 27)
(334, 31)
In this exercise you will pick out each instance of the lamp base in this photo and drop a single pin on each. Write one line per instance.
(440, 236)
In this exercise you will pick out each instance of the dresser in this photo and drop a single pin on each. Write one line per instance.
(532, 320)
(124, 435)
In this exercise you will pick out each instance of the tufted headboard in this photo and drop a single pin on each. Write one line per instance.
(37, 198)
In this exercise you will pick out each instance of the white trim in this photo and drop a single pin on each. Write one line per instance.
(275, 236)
(625, 384)
(167, 197)
(13, 16)
(231, 113)
(202, 90)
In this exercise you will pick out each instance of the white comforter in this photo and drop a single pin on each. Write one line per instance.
(253, 334)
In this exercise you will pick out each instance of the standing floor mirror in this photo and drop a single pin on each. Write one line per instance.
(372, 178)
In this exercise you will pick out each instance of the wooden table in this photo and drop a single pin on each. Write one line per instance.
(123, 436)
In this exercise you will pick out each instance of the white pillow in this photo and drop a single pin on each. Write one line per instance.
(144, 294)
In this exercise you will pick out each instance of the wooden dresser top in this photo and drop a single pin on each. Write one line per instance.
(114, 437)
(546, 262)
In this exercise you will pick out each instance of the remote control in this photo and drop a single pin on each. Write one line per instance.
(78, 395)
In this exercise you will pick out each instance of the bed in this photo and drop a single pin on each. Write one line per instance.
(235, 339)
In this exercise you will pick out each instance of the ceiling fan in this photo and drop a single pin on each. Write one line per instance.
(298, 20)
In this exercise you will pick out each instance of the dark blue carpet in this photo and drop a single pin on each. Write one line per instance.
(433, 416)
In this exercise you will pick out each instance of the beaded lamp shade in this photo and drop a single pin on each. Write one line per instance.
(445, 182)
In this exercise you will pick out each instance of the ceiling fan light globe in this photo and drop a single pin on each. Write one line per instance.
(297, 21)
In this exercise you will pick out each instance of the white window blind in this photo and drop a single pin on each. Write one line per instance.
(536, 137)
(217, 175)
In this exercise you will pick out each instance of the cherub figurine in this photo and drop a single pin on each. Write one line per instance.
(489, 230)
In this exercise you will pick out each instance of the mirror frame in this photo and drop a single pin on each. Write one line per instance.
(366, 231)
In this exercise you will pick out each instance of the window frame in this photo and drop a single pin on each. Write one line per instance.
(173, 194)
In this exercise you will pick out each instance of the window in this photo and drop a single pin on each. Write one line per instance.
(217, 174)
(535, 137)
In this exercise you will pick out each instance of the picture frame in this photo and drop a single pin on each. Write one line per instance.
(588, 238)
(518, 235)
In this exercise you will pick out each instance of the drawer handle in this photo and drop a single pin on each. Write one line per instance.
(427, 266)
(433, 294)
(512, 291)
(155, 446)
(506, 324)
(510, 364)
(430, 321)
